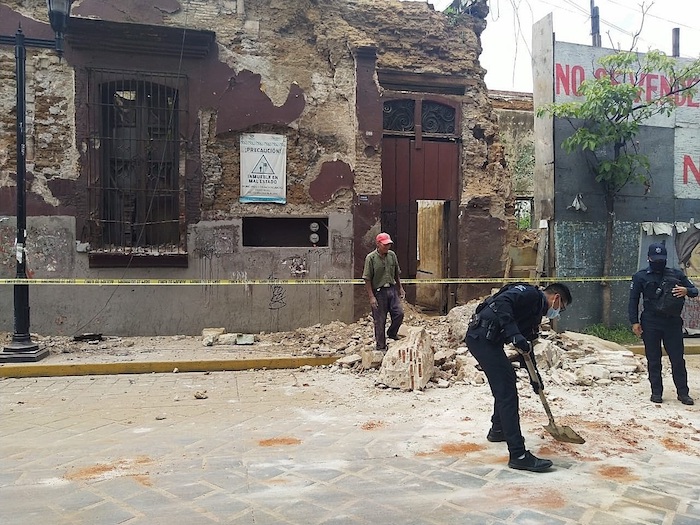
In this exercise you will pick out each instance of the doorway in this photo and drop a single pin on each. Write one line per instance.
(431, 254)
(427, 172)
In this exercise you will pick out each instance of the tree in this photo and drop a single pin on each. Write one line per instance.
(608, 121)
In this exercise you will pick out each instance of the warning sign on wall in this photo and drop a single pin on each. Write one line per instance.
(263, 168)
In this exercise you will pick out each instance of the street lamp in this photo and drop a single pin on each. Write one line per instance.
(22, 348)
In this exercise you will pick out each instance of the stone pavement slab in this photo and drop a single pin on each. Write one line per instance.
(319, 447)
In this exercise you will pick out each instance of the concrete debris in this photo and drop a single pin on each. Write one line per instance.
(443, 356)
(458, 318)
(371, 358)
(349, 360)
(245, 339)
(569, 358)
(219, 336)
(408, 363)
(211, 335)
(227, 339)
(201, 394)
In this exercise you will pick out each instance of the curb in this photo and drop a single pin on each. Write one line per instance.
(691, 348)
(158, 367)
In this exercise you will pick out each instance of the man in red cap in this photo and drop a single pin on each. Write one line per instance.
(383, 285)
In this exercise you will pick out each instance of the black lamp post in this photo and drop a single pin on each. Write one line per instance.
(22, 348)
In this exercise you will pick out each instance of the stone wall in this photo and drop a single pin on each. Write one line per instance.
(292, 68)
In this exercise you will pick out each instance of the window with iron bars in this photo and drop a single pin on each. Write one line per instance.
(136, 162)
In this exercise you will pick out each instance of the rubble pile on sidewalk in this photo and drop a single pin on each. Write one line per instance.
(569, 358)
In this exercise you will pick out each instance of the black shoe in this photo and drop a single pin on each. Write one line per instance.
(686, 400)
(395, 337)
(530, 462)
(656, 398)
(495, 436)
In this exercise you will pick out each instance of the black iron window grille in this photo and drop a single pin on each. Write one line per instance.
(136, 159)
(399, 116)
(437, 118)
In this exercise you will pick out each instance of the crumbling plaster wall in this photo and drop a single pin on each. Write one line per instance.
(302, 55)
(51, 153)
(310, 44)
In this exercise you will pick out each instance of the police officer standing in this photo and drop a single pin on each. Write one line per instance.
(513, 315)
(664, 291)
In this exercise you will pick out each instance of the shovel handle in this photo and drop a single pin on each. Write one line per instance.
(533, 377)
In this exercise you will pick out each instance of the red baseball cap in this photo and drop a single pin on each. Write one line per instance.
(384, 238)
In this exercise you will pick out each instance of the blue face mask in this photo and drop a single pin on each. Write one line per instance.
(553, 313)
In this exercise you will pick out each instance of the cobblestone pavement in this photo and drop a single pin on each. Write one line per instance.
(292, 447)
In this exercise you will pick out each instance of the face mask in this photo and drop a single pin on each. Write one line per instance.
(553, 313)
(657, 266)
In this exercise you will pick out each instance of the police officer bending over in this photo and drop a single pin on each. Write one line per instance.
(664, 291)
(513, 315)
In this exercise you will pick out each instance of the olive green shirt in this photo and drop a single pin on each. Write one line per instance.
(381, 271)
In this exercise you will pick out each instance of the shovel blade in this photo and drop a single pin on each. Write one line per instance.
(564, 433)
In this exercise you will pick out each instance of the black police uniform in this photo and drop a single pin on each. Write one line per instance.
(657, 327)
(517, 310)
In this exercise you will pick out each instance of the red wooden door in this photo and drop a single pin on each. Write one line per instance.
(412, 171)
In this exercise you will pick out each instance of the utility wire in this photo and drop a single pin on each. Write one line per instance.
(680, 24)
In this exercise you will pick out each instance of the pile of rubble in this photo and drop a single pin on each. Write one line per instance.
(432, 353)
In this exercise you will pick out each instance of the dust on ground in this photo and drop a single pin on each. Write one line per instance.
(605, 400)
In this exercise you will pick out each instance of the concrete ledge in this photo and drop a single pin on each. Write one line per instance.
(159, 367)
(691, 345)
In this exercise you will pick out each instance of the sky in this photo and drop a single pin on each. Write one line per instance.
(507, 39)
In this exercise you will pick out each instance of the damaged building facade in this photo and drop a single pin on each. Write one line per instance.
(248, 140)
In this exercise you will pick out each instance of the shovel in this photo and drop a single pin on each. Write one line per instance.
(558, 432)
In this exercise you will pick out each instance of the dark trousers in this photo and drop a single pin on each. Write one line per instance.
(502, 380)
(387, 302)
(656, 329)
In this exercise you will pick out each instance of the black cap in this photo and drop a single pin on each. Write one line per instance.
(657, 252)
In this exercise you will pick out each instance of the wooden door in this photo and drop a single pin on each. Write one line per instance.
(412, 171)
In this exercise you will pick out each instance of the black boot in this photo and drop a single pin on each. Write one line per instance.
(530, 462)
(686, 399)
(495, 436)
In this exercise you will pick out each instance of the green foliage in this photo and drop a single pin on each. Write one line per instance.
(614, 107)
(619, 333)
(520, 156)
(524, 221)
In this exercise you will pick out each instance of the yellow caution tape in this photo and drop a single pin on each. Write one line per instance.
(287, 282)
